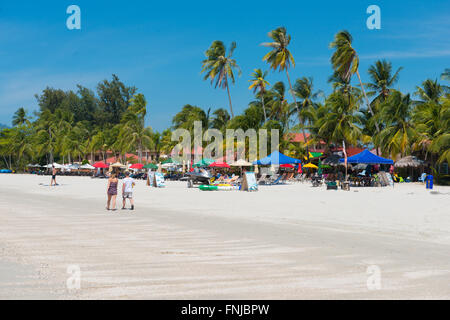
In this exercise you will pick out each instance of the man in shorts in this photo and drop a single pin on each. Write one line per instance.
(53, 176)
(127, 190)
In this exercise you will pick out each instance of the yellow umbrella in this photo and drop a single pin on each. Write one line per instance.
(310, 165)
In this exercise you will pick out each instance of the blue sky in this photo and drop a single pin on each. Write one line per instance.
(158, 46)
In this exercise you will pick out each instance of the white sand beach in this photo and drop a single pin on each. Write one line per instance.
(282, 242)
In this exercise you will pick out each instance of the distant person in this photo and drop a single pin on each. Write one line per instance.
(53, 176)
(127, 190)
(112, 191)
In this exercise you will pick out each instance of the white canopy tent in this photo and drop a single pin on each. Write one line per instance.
(87, 166)
(56, 165)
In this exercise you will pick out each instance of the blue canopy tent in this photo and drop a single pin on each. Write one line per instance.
(276, 158)
(367, 157)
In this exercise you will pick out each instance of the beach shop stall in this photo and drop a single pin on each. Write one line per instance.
(367, 178)
(276, 158)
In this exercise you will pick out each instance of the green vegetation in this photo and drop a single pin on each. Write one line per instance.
(71, 125)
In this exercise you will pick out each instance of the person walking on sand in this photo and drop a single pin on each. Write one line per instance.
(112, 192)
(127, 190)
(53, 176)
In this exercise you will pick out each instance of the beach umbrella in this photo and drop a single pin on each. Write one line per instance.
(137, 166)
(314, 154)
(219, 165)
(100, 164)
(409, 161)
(241, 163)
(151, 166)
(87, 166)
(276, 157)
(118, 165)
(74, 166)
(310, 165)
(56, 165)
(169, 160)
(205, 162)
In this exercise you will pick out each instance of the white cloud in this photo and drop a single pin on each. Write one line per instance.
(407, 54)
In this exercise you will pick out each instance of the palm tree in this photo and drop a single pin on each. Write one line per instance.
(21, 145)
(382, 79)
(188, 115)
(281, 58)
(99, 143)
(431, 91)
(304, 90)
(431, 117)
(399, 133)
(218, 66)
(345, 62)
(339, 119)
(132, 133)
(20, 117)
(259, 84)
(278, 105)
(220, 119)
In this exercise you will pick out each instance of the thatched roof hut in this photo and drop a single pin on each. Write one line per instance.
(409, 161)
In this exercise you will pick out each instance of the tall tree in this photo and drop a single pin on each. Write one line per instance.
(133, 134)
(259, 84)
(339, 120)
(304, 90)
(278, 105)
(345, 62)
(115, 98)
(430, 91)
(382, 80)
(281, 58)
(20, 117)
(187, 116)
(399, 132)
(218, 67)
(220, 119)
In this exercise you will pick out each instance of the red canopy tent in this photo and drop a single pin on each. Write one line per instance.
(219, 165)
(137, 166)
(287, 165)
(100, 164)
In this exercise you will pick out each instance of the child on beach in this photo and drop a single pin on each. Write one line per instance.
(112, 191)
(127, 190)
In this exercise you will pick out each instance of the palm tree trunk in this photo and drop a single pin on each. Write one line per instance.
(299, 117)
(229, 99)
(263, 105)
(367, 100)
(140, 154)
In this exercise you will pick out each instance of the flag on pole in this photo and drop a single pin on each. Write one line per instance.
(345, 153)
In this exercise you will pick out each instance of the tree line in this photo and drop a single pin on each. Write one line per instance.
(70, 125)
